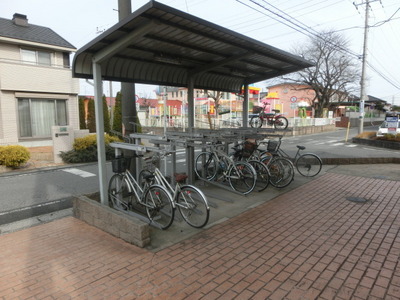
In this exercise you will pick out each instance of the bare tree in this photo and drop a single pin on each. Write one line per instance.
(216, 96)
(336, 71)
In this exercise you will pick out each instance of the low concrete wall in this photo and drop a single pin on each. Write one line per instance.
(311, 129)
(378, 143)
(114, 222)
(303, 130)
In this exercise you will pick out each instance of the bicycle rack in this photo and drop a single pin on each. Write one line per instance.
(168, 144)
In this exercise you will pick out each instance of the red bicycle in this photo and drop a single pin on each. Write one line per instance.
(272, 119)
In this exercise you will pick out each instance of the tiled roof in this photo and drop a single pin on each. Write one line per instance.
(32, 33)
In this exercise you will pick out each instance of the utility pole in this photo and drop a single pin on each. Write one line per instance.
(128, 103)
(363, 95)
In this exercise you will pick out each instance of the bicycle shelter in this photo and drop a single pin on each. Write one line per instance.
(158, 44)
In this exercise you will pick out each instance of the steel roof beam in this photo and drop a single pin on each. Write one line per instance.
(219, 63)
(271, 53)
(122, 43)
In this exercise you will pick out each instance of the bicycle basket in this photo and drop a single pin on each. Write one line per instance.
(249, 146)
(257, 109)
(120, 164)
(272, 146)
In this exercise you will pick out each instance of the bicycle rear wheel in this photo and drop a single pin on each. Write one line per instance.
(263, 176)
(281, 123)
(206, 166)
(309, 165)
(242, 177)
(256, 122)
(119, 192)
(159, 206)
(281, 172)
(193, 206)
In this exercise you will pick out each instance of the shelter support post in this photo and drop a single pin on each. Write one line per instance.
(190, 149)
(101, 152)
(173, 163)
(245, 114)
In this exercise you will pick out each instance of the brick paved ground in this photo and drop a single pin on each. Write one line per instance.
(310, 243)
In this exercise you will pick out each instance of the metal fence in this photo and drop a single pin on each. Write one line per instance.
(212, 123)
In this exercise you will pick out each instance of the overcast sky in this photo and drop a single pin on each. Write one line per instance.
(285, 24)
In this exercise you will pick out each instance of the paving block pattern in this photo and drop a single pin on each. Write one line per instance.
(310, 243)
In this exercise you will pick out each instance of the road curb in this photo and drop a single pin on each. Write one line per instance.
(360, 160)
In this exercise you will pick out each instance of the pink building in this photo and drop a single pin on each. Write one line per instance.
(288, 97)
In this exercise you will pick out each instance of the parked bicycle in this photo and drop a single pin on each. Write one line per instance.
(244, 151)
(272, 119)
(217, 165)
(191, 202)
(280, 171)
(125, 194)
(307, 164)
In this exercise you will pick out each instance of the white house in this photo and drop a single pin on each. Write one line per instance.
(37, 90)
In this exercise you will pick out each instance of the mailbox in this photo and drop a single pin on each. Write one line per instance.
(63, 139)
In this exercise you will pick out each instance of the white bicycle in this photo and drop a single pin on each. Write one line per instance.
(191, 202)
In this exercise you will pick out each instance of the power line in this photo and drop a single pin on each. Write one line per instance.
(301, 28)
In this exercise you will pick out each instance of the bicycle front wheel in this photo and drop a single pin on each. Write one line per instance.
(206, 166)
(281, 172)
(119, 192)
(281, 123)
(309, 165)
(262, 172)
(159, 206)
(193, 206)
(256, 122)
(242, 177)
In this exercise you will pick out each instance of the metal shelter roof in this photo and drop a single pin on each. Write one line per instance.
(160, 45)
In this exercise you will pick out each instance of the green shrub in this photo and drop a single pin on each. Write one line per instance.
(14, 156)
(91, 141)
(390, 137)
(86, 155)
(85, 149)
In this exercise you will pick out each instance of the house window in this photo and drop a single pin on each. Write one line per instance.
(36, 57)
(66, 61)
(36, 116)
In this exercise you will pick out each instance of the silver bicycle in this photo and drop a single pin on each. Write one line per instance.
(217, 165)
(125, 194)
(191, 202)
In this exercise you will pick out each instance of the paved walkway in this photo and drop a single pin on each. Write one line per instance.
(309, 243)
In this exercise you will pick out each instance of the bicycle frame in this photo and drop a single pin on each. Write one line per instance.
(221, 156)
(269, 117)
(160, 179)
(284, 154)
(135, 187)
(182, 198)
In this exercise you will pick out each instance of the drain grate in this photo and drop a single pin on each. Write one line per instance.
(357, 199)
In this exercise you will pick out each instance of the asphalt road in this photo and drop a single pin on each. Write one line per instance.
(33, 193)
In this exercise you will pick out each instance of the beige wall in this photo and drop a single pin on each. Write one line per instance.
(8, 119)
(23, 77)
(18, 79)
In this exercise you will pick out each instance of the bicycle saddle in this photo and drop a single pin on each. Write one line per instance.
(180, 177)
(301, 147)
(148, 175)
